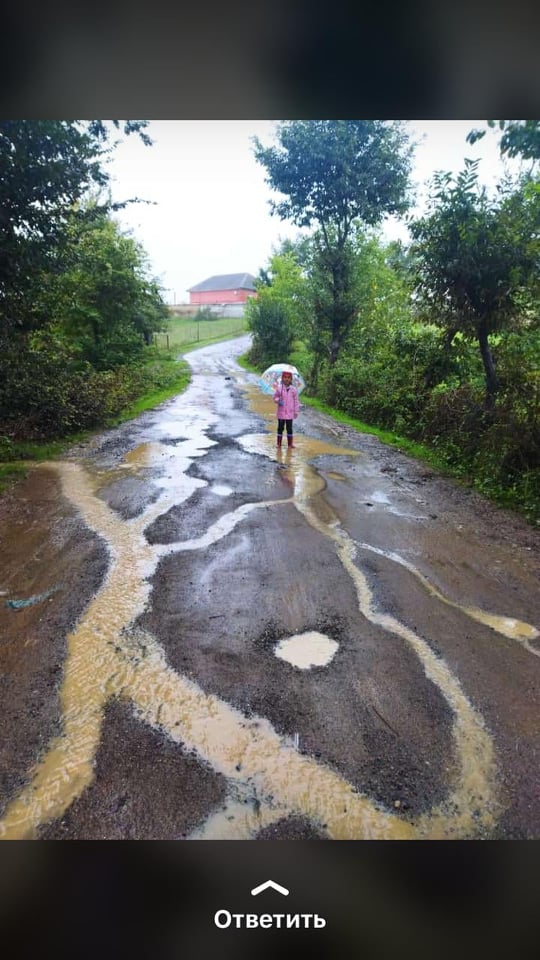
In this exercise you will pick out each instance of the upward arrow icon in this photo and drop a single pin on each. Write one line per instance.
(269, 883)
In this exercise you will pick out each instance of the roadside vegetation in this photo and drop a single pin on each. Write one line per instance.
(437, 342)
(86, 340)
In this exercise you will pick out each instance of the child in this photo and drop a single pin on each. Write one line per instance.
(286, 397)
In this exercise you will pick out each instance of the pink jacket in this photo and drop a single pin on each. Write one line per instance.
(289, 409)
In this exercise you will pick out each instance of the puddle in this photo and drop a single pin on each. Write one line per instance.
(506, 626)
(107, 657)
(147, 454)
(379, 497)
(238, 820)
(305, 481)
(305, 447)
(474, 789)
(222, 490)
(217, 530)
(307, 650)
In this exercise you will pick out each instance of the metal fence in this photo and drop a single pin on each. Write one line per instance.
(198, 331)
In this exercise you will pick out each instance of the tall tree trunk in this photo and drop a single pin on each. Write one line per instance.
(334, 349)
(492, 381)
(336, 294)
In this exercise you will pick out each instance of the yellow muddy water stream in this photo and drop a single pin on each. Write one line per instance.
(108, 657)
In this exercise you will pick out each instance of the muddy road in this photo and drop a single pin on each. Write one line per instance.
(203, 638)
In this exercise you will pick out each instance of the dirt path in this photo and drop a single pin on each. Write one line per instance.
(220, 641)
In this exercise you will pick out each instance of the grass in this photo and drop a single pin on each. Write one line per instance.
(179, 377)
(411, 447)
(172, 374)
(16, 455)
(188, 331)
(9, 473)
(244, 362)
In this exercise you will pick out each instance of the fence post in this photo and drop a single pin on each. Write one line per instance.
(167, 341)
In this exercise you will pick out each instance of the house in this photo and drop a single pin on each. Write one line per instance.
(226, 288)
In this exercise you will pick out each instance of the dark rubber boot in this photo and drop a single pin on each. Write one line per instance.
(290, 441)
(279, 440)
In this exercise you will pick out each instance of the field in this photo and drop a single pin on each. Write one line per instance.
(184, 331)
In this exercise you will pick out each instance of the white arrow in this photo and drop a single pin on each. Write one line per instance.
(269, 883)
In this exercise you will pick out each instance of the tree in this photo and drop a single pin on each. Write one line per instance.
(100, 296)
(276, 315)
(519, 138)
(335, 299)
(477, 260)
(46, 167)
(379, 298)
(337, 174)
(300, 248)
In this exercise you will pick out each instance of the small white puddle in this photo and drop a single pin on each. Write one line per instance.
(221, 490)
(379, 497)
(307, 650)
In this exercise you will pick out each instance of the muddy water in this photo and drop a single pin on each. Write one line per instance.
(506, 626)
(307, 483)
(107, 657)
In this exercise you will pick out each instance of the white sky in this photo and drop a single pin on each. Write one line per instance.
(211, 213)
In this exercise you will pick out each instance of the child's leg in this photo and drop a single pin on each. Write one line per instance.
(290, 433)
(280, 426)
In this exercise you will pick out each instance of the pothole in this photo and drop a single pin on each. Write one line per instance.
(221, 489)
(306, 650)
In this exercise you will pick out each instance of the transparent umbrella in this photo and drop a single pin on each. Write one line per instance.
(270, 380)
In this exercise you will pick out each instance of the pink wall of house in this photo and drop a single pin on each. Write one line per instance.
(220, 296)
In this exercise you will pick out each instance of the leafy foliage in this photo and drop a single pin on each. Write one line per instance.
(477, 261)
(437, 341)
(100, 296)
(519, 138)
(335, 174)
(77, 306)
(46, 167)
(424, 381)
(276, 315)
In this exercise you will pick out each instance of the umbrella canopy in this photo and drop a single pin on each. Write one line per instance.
(270, 380)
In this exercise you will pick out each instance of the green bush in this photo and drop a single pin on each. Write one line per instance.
(272, 330)
(205, 313)
(46, 391)
(408, 383)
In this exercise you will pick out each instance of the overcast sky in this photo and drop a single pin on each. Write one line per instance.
(211, 213)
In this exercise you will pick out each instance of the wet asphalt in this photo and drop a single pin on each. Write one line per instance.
(153, 692)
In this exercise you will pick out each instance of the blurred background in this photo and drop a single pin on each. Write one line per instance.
(274, 60)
